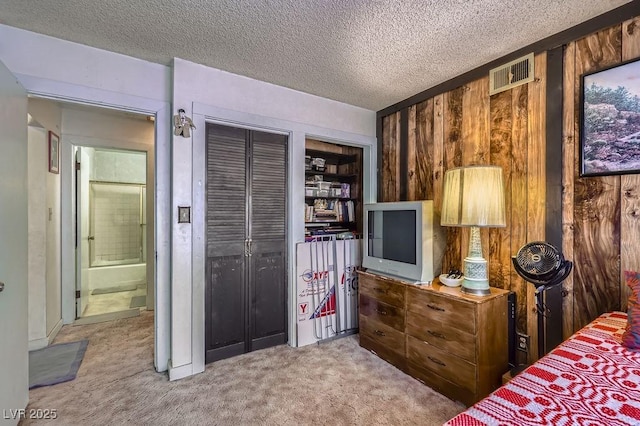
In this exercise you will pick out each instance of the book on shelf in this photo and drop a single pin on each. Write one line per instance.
(335, 211)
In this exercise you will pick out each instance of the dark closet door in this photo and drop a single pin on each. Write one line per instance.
(246, 241)
(226, 298)
(267, 272)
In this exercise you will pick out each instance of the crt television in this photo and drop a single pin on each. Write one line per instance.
(403, 240)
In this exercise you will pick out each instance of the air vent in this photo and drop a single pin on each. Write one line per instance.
(512, 74)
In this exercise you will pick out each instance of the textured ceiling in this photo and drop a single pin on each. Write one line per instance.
(362, 52)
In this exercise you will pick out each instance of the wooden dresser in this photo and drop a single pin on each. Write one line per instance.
(452, 342)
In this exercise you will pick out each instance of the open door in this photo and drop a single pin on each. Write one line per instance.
(82, 231)
(14, 362)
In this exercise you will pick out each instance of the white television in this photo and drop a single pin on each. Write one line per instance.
(403, 240)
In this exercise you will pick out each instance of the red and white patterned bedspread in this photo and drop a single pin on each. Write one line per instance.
(590, 379)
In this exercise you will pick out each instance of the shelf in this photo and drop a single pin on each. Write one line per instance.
(332, 157)
(341, 170)
(330, 176)
(308, 197)
(326, 223)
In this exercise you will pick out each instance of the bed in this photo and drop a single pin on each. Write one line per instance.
(589, 379)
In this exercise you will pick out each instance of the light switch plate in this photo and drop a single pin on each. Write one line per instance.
(184, 214)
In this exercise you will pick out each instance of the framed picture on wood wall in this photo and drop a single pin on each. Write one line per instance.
(610, 120)
(54, 153)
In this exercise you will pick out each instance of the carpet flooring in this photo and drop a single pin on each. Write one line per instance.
(335, 383)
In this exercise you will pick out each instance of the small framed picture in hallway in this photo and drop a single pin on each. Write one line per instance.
(54, 152)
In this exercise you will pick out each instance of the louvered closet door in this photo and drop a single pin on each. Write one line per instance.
(267, 231)
(246, 252)
(226, 304)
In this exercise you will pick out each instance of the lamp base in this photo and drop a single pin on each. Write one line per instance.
(476, 280)
(477, 288)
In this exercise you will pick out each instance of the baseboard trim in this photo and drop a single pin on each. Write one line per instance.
(36, 344)
(54, 331)
(176, 373)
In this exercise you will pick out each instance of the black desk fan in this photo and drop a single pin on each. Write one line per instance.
(544, 266)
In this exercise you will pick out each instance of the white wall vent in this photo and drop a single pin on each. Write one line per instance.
(512, 74)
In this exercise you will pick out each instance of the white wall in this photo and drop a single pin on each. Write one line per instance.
(54, 68)
(45, 302)
(37, 220)
(58, 69)
(120, 166)
(209, 94)
(54, 289)
(48, 64)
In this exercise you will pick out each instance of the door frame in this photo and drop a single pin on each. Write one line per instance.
(110, 145)
(47, 89)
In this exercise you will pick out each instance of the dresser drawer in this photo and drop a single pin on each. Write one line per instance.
(442, 335)
(382, 312)
(382, 289)
(383, 334)
(392, 357)
(456, 312)
(443, 363)
(442, 385)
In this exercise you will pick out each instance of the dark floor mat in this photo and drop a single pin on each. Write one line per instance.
(138, 301)
(55, 363)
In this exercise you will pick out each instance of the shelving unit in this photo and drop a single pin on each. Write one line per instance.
(332, 189)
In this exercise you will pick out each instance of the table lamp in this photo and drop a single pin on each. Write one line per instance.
(474, 197)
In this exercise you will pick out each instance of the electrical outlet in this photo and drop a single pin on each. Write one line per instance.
(522, 342)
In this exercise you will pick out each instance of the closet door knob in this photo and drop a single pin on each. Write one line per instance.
(1, 286)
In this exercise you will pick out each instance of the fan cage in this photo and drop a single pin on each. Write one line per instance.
(539, 260)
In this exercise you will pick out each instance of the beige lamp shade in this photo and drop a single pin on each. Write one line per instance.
(473, 196)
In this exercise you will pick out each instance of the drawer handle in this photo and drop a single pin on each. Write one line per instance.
(437, 361)
(434, 307)
(379, 290)
(436, 334)
(381, 312)
(379, 333)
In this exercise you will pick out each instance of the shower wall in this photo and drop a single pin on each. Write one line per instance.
(117, 214)
(116, 223)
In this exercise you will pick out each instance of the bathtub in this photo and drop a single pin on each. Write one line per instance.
(126, 276)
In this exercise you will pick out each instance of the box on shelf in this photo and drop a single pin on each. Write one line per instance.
(345, 190)
(323, 185)
(307, 162)
(318, 164)
(315, 192)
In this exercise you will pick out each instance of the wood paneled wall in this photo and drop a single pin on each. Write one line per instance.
(601, 214)
(465, 126)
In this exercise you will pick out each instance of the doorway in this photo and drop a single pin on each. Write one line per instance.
(158, 170)
(111, 228)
